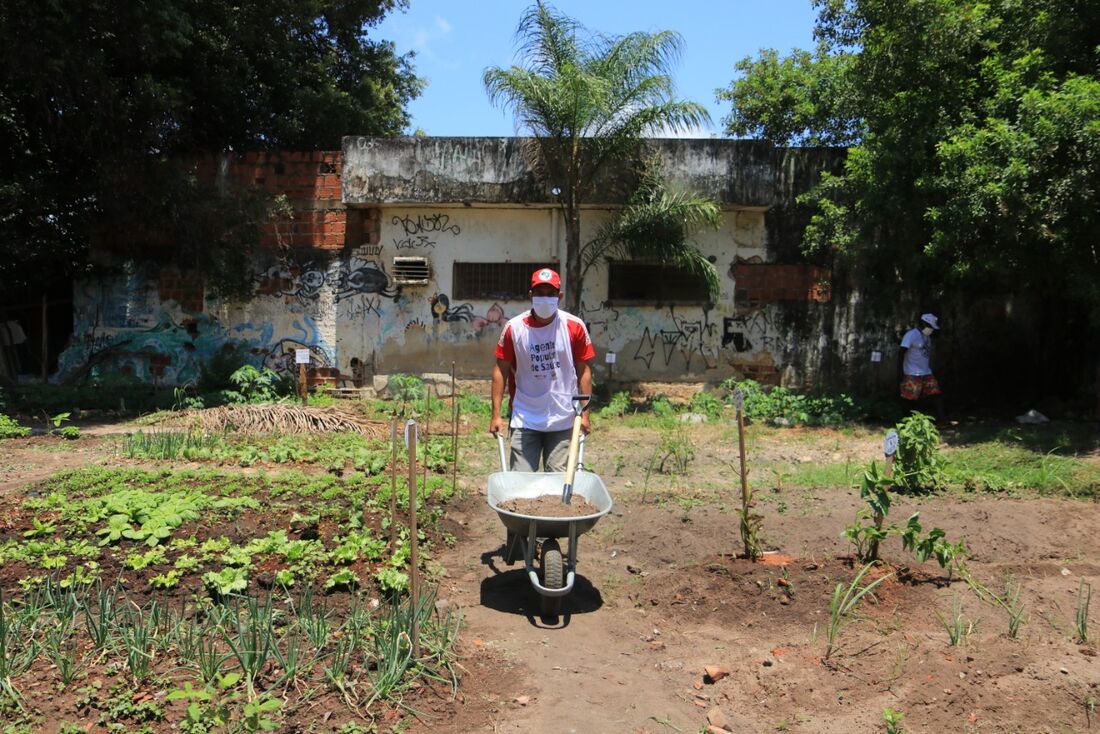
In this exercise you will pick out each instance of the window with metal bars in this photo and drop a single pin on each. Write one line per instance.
(652, 283)
(495, 281)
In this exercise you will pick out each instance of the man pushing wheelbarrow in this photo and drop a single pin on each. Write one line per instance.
(542, 358)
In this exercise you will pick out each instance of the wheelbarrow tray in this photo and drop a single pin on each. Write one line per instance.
(504, 486)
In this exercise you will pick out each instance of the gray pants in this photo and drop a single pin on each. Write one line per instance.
(529, 447)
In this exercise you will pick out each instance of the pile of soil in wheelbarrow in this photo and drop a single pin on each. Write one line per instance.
(549, 505)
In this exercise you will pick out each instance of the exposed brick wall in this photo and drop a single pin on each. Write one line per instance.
(311, 182)
(773, 282)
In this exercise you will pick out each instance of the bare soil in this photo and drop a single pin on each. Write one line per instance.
(661, 592)
(549, 505)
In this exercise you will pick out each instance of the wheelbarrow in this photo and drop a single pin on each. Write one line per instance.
(525, 533)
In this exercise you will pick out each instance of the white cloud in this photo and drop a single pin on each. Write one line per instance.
(698, 131)
(424, 37)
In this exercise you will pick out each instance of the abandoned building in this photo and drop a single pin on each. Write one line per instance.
(408, 254)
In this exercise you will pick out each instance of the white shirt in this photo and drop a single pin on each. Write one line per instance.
(546, 374)
(917, 362)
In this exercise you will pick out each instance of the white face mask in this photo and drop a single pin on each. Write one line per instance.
(927, 331)
(544, 306)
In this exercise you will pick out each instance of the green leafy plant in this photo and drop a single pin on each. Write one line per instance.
(40, 527)
(392, 580)
(166, 580)
(227, 581)
(867, 532)
(785, 407)
(405, 388)
(344, 578)
(918, 466)
(10, 428)
(255, 386)
(69, 433)
(617, 406)
(893, 720)
(707, 404)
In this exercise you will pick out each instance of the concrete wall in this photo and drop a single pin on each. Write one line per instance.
(329, 284)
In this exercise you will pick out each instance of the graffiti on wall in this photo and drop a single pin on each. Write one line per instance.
(599, 317)
(305, 282)
(368, 278)
(422, 230)
(280, 356)
(751, 330)
(461, 318)
(686, 341)
(442, 310)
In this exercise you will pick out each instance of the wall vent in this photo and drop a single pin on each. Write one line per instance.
(411, 270)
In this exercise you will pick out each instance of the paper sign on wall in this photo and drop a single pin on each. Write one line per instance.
(876, 356)
(301, 356)
(609, 358)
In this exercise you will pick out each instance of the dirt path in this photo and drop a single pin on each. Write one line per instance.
(33, 459)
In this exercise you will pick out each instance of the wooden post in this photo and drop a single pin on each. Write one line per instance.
(454, 432)
(414, 556)
(45, 341)
(889, 449)
(302, 391)
(393, 481)
(744, 473)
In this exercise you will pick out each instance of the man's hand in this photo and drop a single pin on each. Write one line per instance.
(586, 423)
(496, 425)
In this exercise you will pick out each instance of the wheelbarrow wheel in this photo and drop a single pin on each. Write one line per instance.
(553, 575)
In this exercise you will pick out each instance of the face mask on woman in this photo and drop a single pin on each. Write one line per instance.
(544, 306)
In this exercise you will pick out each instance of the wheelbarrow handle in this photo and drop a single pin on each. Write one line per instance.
(503, 453)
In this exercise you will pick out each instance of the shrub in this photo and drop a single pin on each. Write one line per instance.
(918, 465)
(783, 406)
(256, 385)
(707, 404)
(10, 428)
(617, 406)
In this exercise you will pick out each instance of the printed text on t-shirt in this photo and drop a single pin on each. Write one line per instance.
(544, 357)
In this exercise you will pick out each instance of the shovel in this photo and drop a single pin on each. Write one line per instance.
(579, 403)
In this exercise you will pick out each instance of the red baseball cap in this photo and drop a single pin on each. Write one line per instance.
(546, 276)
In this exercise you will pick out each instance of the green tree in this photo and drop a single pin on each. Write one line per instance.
(588, 100)
(101, 99)
(975, 134)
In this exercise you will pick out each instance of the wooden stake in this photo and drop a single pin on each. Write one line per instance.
(393, 481)
(302, 391)
(454, 432)
(889, 448)
(414, 556)
(744, 474)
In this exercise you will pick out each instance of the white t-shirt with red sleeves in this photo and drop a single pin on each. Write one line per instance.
(544, 359)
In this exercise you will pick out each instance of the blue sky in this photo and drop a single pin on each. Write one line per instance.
(455, 41)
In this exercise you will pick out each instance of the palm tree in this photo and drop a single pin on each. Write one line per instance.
(588, 100)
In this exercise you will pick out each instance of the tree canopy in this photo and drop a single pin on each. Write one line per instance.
(588, 100)
(975, 141)
(99, 97)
